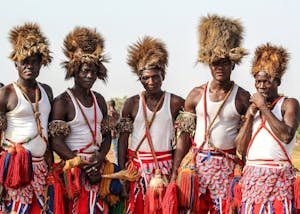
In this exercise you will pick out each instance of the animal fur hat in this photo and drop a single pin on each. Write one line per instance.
(220, 37)
(28, 40)
(84, 45)
(271, 59)
(147, 53)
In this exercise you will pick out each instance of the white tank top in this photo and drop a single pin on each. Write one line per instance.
(225, 127)
(21, 124)
(162, 129)
(264, 145)
(80, 135)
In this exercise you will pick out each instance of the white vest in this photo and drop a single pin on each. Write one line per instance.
(162, 129)
(21, 124)
(80, 134)
(264, 145)
(225, 128)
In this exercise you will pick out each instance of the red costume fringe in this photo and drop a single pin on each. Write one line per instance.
(170, 201)
(154, 200)
(297, 193)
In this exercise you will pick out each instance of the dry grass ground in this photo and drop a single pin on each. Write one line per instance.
(296, 155)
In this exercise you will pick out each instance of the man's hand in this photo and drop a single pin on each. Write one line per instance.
(252, 110)
(92, 170)
(259, 100)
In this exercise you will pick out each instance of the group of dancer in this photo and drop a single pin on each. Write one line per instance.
(221, 150)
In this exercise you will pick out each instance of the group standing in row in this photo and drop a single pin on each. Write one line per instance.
(219, 128)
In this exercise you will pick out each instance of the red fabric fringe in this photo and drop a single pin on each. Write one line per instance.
(154, 199)
(170, 201)
(2, 159)
(72, 180)
(188, 190)
(10, 171)
(297, 192)
(53, 179)
(82, 205)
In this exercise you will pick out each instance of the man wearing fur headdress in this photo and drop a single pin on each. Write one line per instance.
(78, 115)
(25, 107)
(215, 109)
(151, 113)
(268, 136)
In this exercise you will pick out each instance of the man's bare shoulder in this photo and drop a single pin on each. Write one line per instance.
(130, 105)
(48, 90)
(291, 103)
(99, 97)
(63, 99)
(101, 102)
(177, 100)
(6, 90)
(132, 100)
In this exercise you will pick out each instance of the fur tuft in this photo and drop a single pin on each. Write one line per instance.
(271, 59)
(220, 37)
(148, 53)
(28, 40)
(84, 45)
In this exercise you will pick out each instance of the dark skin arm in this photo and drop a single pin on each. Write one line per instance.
(284, 130)
(48, 154)
(184, 142)
(60, 111)
(129, 110)
(177, 104)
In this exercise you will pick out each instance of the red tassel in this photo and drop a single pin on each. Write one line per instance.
(58, 198)
(170, 201)
(154, 200)
(69, 183)
(10, 171)
(82, 205)
(188, 185)
(2, 159)
(297, 192)
(237, 195)
(76, 184)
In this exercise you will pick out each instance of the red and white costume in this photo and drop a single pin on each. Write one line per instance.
(21, 125)
(81, 141)
(215, 171)
(267, 182)
(162, 133)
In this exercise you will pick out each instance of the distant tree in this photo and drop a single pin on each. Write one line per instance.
(298, 133)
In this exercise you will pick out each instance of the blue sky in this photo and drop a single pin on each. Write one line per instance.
(174, 21)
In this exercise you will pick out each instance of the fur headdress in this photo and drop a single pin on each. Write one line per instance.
(84, 45)
(28, 40)
(220, 37)
(271, 59)
(148, 53)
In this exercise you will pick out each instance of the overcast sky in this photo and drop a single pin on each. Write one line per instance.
(122, 22)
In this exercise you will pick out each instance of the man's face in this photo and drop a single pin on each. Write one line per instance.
(29, 68)
(151, 80)
(221, 69)
(265, 84)
(86, 76)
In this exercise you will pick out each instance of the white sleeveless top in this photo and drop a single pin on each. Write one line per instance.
(21, 124)
(162, 129)
(264, 145)
(225, 127)
(80, 135)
